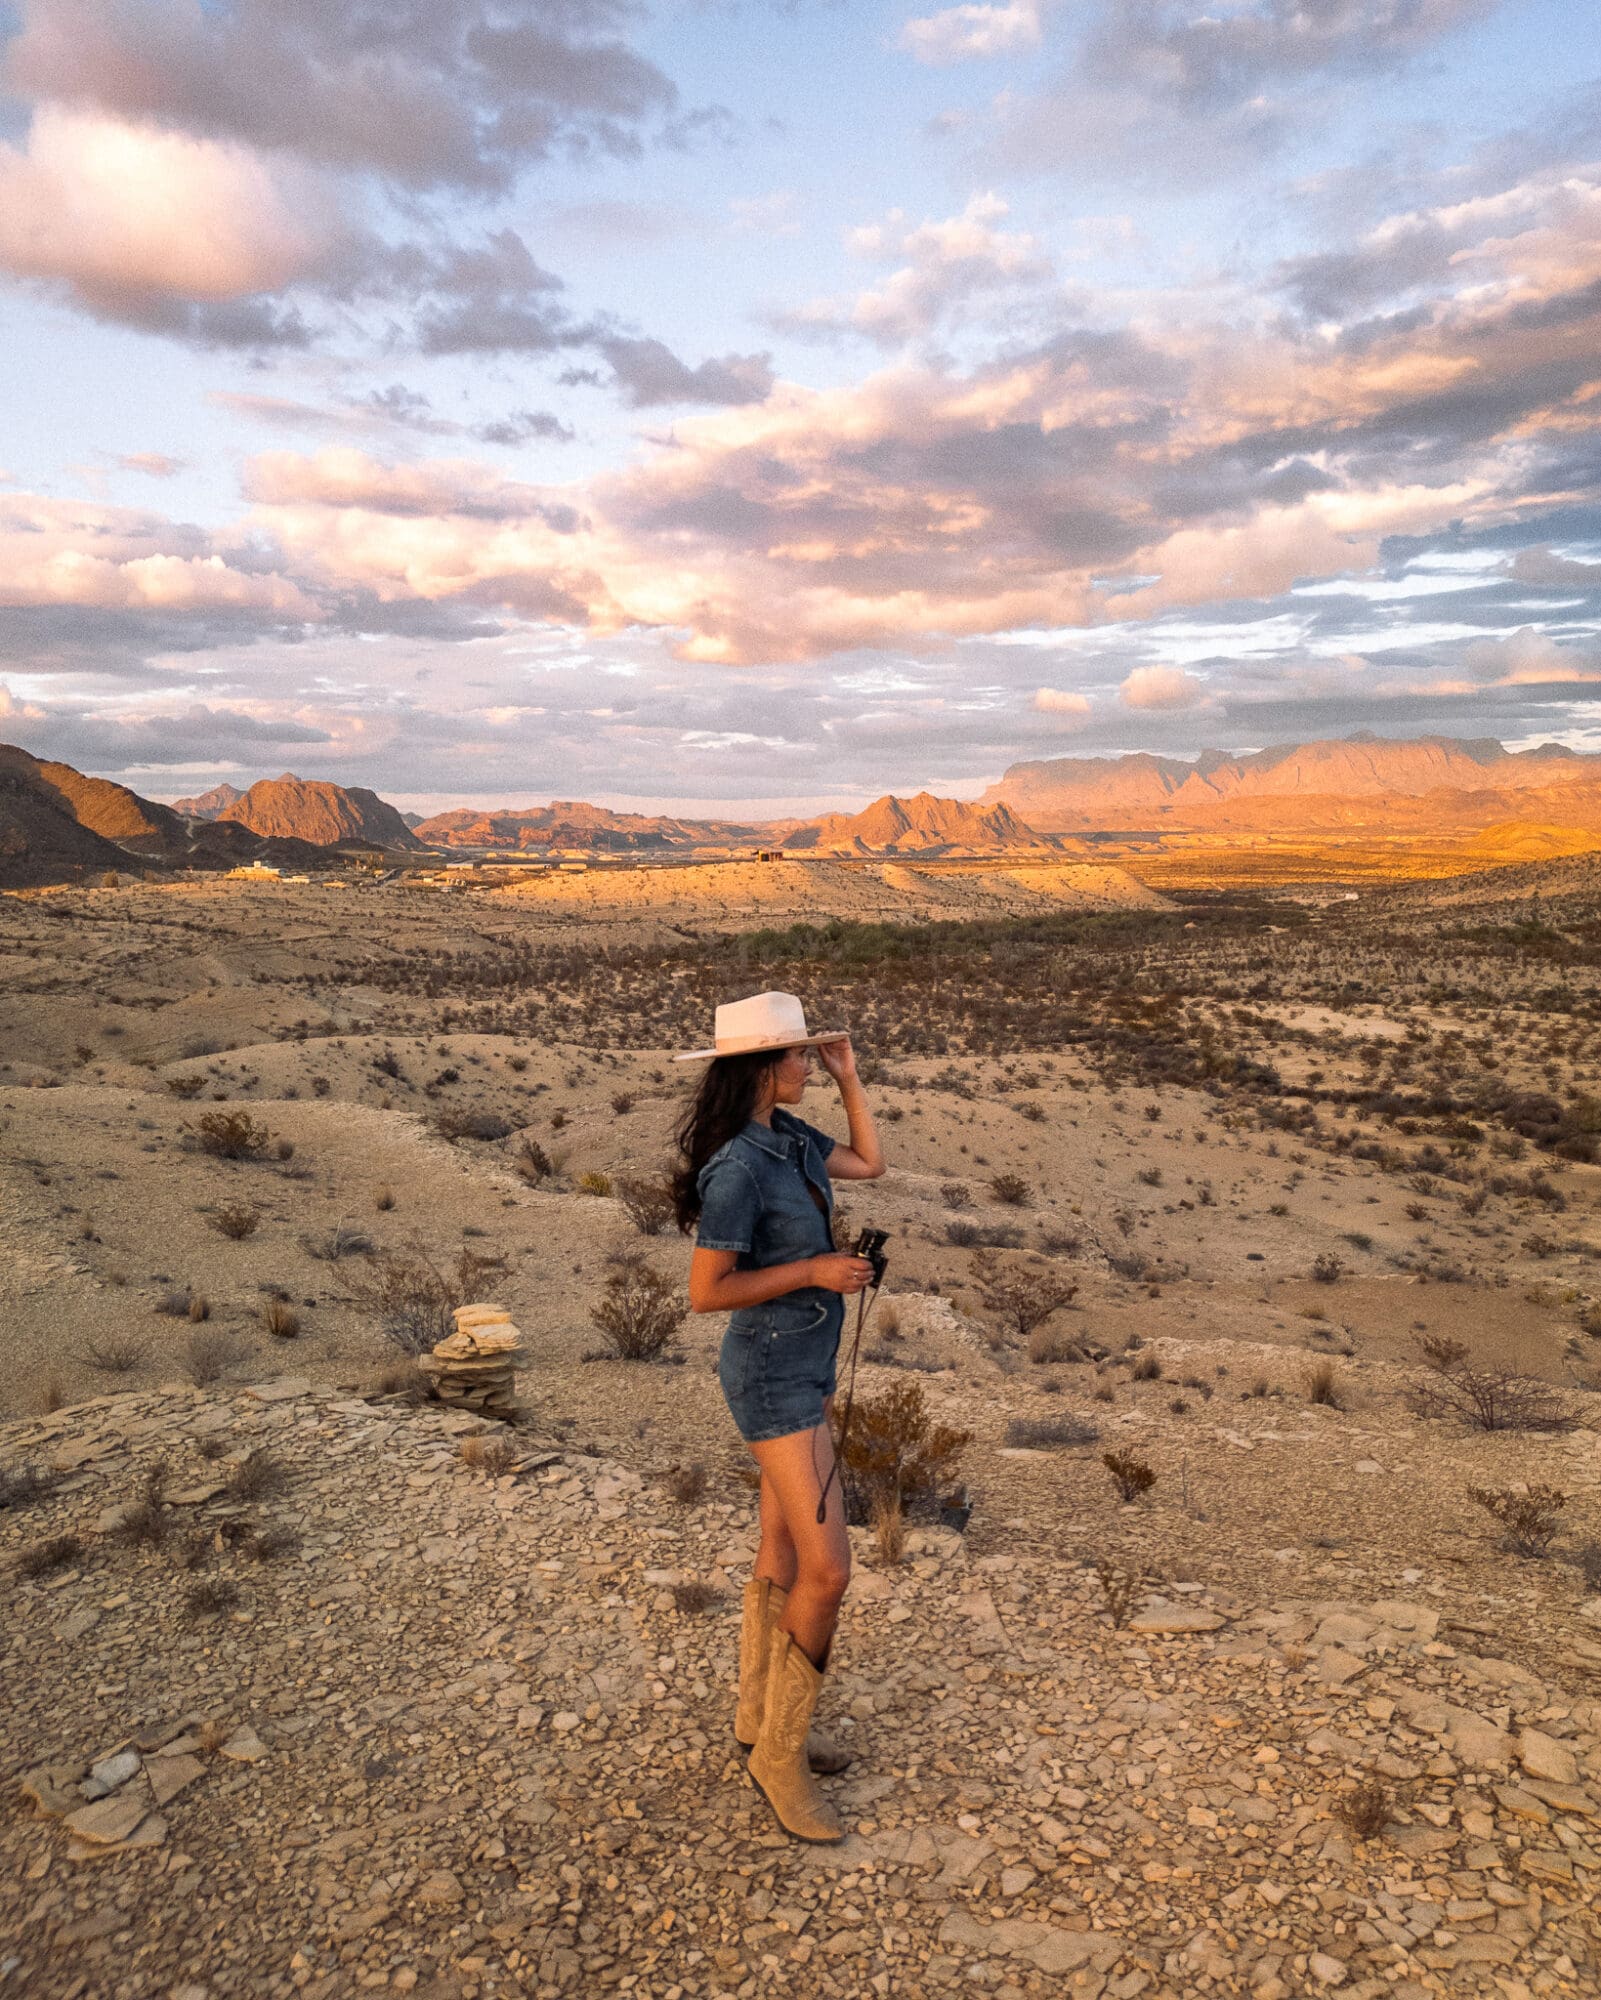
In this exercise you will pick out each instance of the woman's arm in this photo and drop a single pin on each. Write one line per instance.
(863, 1158)
(715, 1285)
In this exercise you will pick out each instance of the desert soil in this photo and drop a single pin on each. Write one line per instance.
(465, 1733)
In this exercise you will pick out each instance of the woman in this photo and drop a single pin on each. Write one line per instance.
(755, 1180)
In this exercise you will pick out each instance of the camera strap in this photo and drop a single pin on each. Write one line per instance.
(865, 1301)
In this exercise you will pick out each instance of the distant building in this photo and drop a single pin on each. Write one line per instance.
(255, 871)
(769, 854)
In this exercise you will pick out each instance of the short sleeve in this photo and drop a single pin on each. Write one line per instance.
(729, 1206)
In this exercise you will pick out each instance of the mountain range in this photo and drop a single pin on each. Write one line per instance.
(57, 823)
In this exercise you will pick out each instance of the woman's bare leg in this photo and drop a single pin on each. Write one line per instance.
(796, 1469)
(775, 1554)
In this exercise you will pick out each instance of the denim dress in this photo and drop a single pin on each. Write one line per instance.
(777, 1361)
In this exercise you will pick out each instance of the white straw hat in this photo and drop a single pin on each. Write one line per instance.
(765, 1021)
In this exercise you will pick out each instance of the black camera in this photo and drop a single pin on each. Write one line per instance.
(870, 1244)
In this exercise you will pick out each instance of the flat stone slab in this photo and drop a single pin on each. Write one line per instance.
(107, 1820)
(284, 1390)
(1176, 1618)
(1046, 1945)
(169, 1775)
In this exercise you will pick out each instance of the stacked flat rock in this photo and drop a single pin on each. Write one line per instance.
(472, 1367)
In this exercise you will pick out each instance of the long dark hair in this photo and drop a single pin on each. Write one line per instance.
(729, 1092)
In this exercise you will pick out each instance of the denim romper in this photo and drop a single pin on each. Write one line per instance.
(776, 1364)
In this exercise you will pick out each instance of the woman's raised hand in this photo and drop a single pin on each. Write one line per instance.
(838, 1058)
(838, 1271)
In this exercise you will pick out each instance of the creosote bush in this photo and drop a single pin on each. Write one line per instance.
(454, 1124)
(1365, 1810)
(1486, 1399)
(1120, 1590)
(896, 1454)
(1131, 1475)
(412, 1297)
(530, 1162)
(1011, 1190)
(1531, 1516)
(233, 1135)
(236, 1220)
(639, 1312)
(1019, 1297)
(649, 1203)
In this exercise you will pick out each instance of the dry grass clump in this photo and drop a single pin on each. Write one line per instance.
(1050, 1433)
(1147, 1369)
(45, 1558)
(148, 1521)
(688, 1484)
(186, 1086)
(1365, 1810)
(258, 1477)
(494, 1457)
(1049, 1345)
(1327, 1268)
(233, 1135)
(888, 1524)
(639, 1312)
(1486, 1399)
(209, 1356)
(531, 1162)
(236, 1220)
(117, 1355)
(956, 1194)
(1120, 1590)
(649, 1203)
(1020, 1298)
(1322, 1386)
(693, 1598)
(271, 1544)
(337, 1243)
(595, 1183)
(280, 1320)
(1131, 1475)
(1531, 1516)
(25, 1485)
(211, 1596)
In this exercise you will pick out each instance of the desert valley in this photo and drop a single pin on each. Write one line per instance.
(1227, 1608)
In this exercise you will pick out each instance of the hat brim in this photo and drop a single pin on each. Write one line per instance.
(756, 1048)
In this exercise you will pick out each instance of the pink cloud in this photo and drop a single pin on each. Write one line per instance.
(1162, 687)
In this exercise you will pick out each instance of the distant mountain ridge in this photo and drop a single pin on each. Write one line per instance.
(207, 805)
(922, 824)
(572, 823)
(1307, 786)
(312, 809)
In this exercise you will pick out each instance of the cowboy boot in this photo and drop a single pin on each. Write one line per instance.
(763, 1609)
(778, 1762)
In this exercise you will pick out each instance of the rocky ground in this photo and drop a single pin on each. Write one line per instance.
(462, 1734)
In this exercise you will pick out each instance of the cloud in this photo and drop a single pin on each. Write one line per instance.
(1162, 687)
(959, 33)
(156, 463)
(458, 93)
(649, 374)
(139, 224)
(941, 266)
(1061, 702)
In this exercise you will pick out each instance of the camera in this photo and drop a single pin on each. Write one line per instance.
(870, 1244)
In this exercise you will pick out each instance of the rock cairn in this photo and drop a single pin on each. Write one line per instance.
(472, 1368)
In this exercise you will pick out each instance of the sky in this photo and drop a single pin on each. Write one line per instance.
(735, 406)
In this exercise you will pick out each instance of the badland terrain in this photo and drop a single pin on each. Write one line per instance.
(1227, 1616)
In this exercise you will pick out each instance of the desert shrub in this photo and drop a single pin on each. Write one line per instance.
(210, 1597)
(455, 1124)
(271, 1544)
(888, 1523)
(1132, 1475)
(173, 1304)
(1011, 1190)
(956, 1194)
(280, 1320)
(687, 1484)
(896, 1455)
(1120, 1589)
(44, 1558)
(649, 1204)
(383, 1200)
(1032, 1111)
(492, 1456)
(236, 1220)
(257, 1476)
(1365, 1811)
(1531, 1516)
(595, 1183)
(147, 1519)
(336, 1243)
(1147, 1369)
(622, 1102)
(1049, 1345)
(208, 1356)
(116, 1355)
(531, 1162)
(640, 1311)
(1590, 1320)
(199, 1308)
(694, 1598)
(1486, 1399)
(1322, 1385)
(1150, 1177)
(186, 1086)
(387, 1063)
(1050, 1433)
(412, 1297)
(1327, 1268)
(1019, 1297)
(25, 1485)
(320, 1086)
(1132, 1264)
(233, 1135)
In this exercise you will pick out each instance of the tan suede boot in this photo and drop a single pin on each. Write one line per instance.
(778, 1762)
(762, 1612)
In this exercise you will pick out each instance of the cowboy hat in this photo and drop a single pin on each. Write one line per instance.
(765, 1021)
